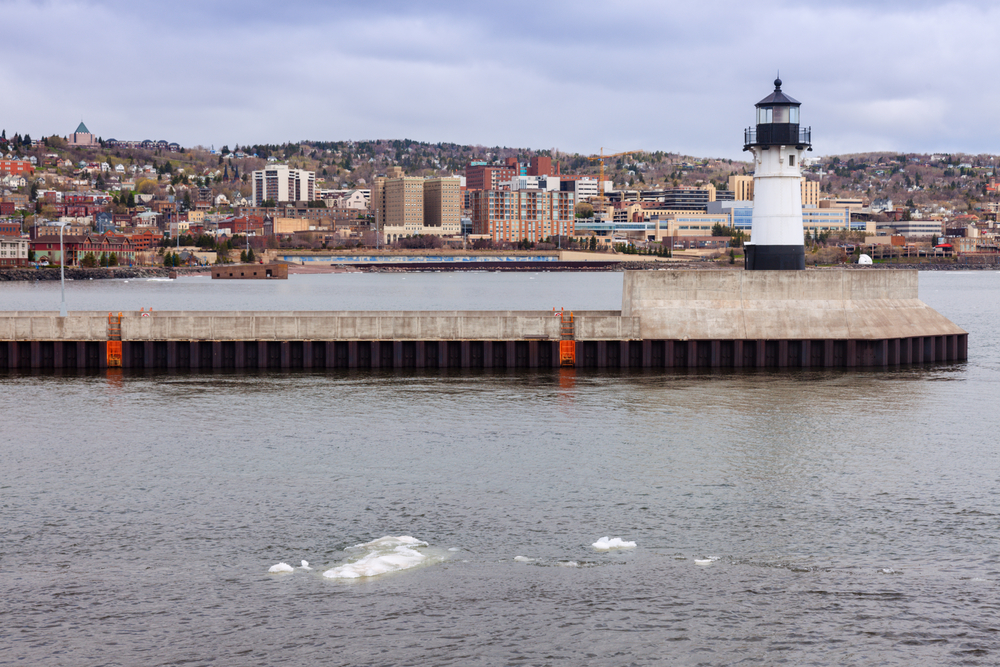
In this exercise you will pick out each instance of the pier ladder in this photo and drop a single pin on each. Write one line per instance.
(567, 340)
(114, 340)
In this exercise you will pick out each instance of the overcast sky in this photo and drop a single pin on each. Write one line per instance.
(680, 76)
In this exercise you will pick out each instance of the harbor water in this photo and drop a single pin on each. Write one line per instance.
(801, 517)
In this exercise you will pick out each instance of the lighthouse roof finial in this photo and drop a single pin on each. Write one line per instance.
(778, 97)
(777, 81)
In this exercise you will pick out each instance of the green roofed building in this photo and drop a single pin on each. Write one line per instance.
(82, 138)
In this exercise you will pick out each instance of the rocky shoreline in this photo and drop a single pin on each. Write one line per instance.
(75, 273)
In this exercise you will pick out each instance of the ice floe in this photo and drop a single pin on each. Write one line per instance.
(706, 561)
(524, 559)
(381, 556)
(606, 543)
(305, 565)
(281, 567)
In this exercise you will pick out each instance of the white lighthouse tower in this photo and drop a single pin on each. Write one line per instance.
(777, 144)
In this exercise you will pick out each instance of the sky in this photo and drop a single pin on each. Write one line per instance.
(630, 75)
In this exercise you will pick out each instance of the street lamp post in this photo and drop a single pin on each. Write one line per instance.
(62, 271)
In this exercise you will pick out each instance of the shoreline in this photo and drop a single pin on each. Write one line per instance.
(119, 273)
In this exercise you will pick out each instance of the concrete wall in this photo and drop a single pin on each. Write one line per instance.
(780, 305)
(656, 305)
(273, 325)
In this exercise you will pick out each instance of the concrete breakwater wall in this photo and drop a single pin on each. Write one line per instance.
(669, 319)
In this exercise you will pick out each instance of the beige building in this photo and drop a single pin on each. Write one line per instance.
(810, 193)
(742, 187)
(442, 205)
(289, 225)
(407, 206)
(677, 224)
(404, 207)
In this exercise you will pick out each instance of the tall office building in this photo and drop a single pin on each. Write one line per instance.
(280, 183)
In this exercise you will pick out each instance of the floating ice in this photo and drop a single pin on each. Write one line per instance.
(454, 549)
(305, 565)
(523, 559)
(281, 567)
(606, 543)
(706, 561)
(386, 554)
(568, 563)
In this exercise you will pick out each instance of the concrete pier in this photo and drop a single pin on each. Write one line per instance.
(669, 319)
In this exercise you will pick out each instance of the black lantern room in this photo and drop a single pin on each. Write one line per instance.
(778, 123)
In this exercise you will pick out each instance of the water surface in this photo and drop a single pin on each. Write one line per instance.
(853, 515)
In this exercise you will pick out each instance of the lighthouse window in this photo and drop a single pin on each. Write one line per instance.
(791, 160)
(763, 115)
(793, 115)
(780, 114)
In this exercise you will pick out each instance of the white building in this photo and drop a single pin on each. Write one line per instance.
(13, 251)
(585, 188)
(280, 183)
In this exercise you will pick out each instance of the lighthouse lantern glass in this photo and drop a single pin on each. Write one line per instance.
(793, 116)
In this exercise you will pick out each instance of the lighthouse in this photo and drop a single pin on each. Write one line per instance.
(777, 144)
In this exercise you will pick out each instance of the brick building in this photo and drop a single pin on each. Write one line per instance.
(514, 215)
(17, 167)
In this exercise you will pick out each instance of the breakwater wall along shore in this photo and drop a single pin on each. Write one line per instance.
(669, 319)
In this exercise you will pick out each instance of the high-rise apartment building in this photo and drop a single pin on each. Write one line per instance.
(443, 205)
(514, 215)
(408, 206)
(280, 183)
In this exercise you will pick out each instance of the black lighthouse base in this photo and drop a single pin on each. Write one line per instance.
(775, 257)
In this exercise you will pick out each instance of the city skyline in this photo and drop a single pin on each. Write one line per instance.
(881, 76)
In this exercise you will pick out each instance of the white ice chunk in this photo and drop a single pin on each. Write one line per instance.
(568, 563)
(384, 555)
(606, 543)
(706, 561)
(454, 549)
(281, 567)
(523, 559)
(305, 565)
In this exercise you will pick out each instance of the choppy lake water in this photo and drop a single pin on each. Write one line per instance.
(842, 518)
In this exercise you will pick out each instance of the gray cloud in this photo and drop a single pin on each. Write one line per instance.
(675, 76)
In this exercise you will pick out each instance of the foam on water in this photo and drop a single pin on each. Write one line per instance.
(281, 567)
(606, 543)
(384, 555)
